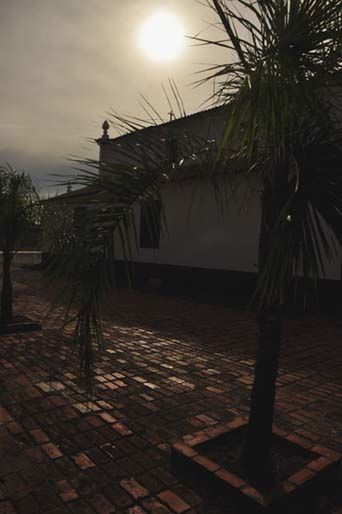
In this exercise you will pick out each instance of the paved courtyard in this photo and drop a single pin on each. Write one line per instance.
(169, 368)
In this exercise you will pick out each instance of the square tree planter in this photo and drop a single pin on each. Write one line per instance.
(201, 454)
(19, 324)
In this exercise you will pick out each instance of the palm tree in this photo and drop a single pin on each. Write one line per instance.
(84, 254)
(282, 89)
(18, 214)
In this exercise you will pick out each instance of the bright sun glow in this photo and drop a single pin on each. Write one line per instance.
(162, 37)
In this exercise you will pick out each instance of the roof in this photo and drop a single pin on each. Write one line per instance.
(93, 192)
(82, 194)
(176, 121)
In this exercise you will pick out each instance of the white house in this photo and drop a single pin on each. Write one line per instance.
(205, 248)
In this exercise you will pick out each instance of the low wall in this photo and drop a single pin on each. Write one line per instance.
(26, 257)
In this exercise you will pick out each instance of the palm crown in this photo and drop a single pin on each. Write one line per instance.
(19, 212)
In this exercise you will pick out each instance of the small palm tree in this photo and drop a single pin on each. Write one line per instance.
(84, 256)
(18, 214)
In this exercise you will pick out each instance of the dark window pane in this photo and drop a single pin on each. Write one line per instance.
(79, 217)
(150, 224)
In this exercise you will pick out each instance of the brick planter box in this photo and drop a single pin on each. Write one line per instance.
(187, 454)
(19, 324)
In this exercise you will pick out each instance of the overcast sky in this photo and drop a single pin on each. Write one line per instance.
(65, 63)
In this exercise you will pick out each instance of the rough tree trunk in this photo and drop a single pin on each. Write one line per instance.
(6, 293)
(259, 434)
(258, 444)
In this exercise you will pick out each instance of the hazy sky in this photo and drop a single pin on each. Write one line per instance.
(66, 63)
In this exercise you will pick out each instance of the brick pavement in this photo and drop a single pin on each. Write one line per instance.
(169, 368)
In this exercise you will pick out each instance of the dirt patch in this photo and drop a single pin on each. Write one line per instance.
(226, 450)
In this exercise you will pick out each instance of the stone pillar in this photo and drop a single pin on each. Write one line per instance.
(102, 141)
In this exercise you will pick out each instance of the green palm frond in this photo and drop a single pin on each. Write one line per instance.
(308, 231)
(282, 50)
(84, 260)
(19, 207)
(284, 91)
(19, 219)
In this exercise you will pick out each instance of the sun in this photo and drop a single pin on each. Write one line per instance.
(161, 37)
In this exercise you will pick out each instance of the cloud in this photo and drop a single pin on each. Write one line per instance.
(68, 63)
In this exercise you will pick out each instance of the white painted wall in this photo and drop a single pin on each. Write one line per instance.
(198, 234)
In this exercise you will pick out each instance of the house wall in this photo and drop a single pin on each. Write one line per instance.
(199, 234)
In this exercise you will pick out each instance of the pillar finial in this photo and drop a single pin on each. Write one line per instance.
(105, 128)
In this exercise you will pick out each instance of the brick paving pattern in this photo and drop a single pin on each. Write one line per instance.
(169, 368)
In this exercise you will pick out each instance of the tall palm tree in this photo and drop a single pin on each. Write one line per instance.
(284, 85)
(18, 213)
(282, 88)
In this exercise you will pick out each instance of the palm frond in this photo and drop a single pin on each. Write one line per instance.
(283, 86)
(308, 232)
(142, 161)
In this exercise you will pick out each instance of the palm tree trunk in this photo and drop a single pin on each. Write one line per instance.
(259, 434)
(258, 444)
(6, 293)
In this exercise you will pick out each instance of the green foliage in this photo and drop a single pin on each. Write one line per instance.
(56, 223)
(19, 207)
(284, 88)
(19, 216)
(84, 259)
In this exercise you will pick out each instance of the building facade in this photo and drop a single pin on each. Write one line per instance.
(209, 246)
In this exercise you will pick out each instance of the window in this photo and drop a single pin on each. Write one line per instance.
(80, 214)
(150, 224)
